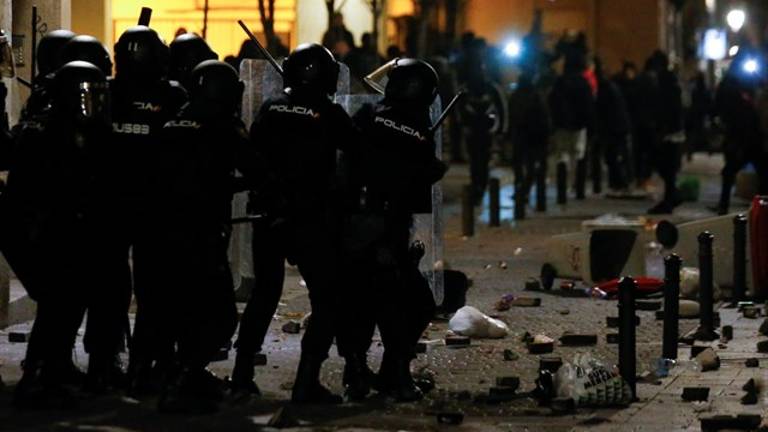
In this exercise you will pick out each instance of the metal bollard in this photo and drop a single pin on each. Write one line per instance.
(739, 258)
(541, 188)
(494, 190)
(467, 212)
(627, 347)
(706, 331)
(672, 266)
(562, 183)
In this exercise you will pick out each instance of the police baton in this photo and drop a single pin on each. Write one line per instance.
(145, 17)
(444, 114)
(261, 48)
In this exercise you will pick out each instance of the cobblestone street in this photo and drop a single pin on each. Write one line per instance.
(462, 374)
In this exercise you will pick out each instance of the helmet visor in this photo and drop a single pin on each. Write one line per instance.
(378, 79)
(93, 102)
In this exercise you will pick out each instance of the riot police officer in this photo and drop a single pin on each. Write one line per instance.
(186, 52)
(50, 206)
(394, 174)
(48, 50)
(205, 143)
(86, 48)
(298, 134)
(143, 100)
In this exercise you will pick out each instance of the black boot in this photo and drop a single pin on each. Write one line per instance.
(43, 386)
(404, 388)
(142, 378)
(105, 373)
(357, 378)
(195, 391)
(307, 388)
(242, 381)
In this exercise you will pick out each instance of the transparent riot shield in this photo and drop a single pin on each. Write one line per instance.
(428, 227)
(262, 82)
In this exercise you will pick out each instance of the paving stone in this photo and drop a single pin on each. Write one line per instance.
(691, 394)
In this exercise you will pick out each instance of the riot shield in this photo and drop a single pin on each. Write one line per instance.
(427, 227)
(262, 82)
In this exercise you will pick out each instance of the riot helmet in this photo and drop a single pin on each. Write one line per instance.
(80, 94)
(89, 49)
(187, 51)
(405, 81)
(140, 55)
(48, 50)
(311, 68)
(215, 89)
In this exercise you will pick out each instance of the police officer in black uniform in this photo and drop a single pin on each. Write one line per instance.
(143, 100)
(187, 51)
(48, 50)
(87, 48)
(204, 144)
(50, 208)
(393, 173)
(298, 134)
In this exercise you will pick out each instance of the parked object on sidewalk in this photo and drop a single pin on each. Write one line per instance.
(695, 394)
(605, 249)
(589, 382)
(468, 321)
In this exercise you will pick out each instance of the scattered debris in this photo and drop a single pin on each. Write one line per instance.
(708, 360)
(292, 327)
(752, 389)
(518, 251)
(764, 328)
(648, 377)
(594, 421)
(762, 347)
(508, 300)
(691, 394)
(564, 311)
(508, 382)
(697, 349)
(739, 422)
(501, 394)
(689, 309)
(727, 333)
(510, 355)
(421, 347)
(18, 337)
(526, 338)
(550, 363)
(563, 405)
(260, 359)
(457, 341)
(487, 267)
(282, 419)
(591, 382)
(287, 386)
(570, 339)
(751, 312)
(450, 418)
(532, 284)
(468, 321)
(503, 265)
(648, 305)
(541, 344)
(752, 363)
(221, 355)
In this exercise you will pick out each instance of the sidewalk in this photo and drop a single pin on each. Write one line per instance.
(461, 374)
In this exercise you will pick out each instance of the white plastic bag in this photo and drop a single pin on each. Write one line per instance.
(468, 321)
(689, 284)
(589, 382)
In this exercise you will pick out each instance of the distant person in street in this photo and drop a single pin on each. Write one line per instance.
(337, 38)
(698, 117)
(670, 130)
(629, 85)
(529, 132)
(363, 60)
(612, 130)
(571, 106)
(737, 102)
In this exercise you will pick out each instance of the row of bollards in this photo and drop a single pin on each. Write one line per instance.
(673, 263)
(494, 203)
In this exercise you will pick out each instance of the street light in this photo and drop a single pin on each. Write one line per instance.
(751, 66)
(513, 48)
(736, 19)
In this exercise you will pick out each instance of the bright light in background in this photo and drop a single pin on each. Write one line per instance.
(715, 45)
(513, 48)
(751, 66)
(733, 51)
(736, 19)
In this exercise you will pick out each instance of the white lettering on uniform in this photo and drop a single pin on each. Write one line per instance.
(400, 128)
(131, 128)
(190, 124)
(296, 109)
(147, 106)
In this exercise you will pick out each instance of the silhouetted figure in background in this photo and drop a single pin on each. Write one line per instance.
(612, 130)
(529, 131)
(337, 39)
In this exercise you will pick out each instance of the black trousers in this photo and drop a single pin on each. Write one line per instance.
(311, 245)
(667, 163)
(735, 160)
(479, 145)
(617, 158)
(384, 288)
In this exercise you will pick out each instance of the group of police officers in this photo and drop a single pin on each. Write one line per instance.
(122, 187)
